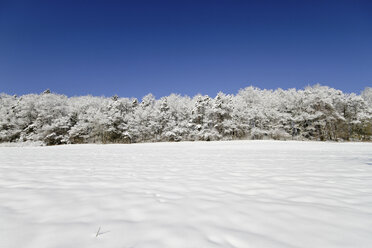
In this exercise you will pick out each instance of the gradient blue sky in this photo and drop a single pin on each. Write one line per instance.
(131, 48)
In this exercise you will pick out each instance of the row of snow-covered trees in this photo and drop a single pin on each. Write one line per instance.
(315, 113)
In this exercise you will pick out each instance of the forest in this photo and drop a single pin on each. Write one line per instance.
(318, 113)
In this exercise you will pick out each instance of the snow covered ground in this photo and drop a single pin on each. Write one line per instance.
(202, 194)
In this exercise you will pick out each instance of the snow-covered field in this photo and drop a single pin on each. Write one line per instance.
(202, 194)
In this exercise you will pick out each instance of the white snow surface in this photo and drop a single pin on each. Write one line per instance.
(191, 194)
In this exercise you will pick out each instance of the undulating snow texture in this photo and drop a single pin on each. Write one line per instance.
(189, 194)
(315, 113)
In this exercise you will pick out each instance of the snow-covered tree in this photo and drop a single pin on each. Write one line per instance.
(314, 113)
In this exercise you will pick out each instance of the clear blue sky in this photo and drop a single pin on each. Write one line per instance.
(131, 48)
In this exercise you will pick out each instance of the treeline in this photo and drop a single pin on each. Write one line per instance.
(315, 113)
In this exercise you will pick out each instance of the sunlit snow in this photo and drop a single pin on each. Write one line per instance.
(192, 194)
